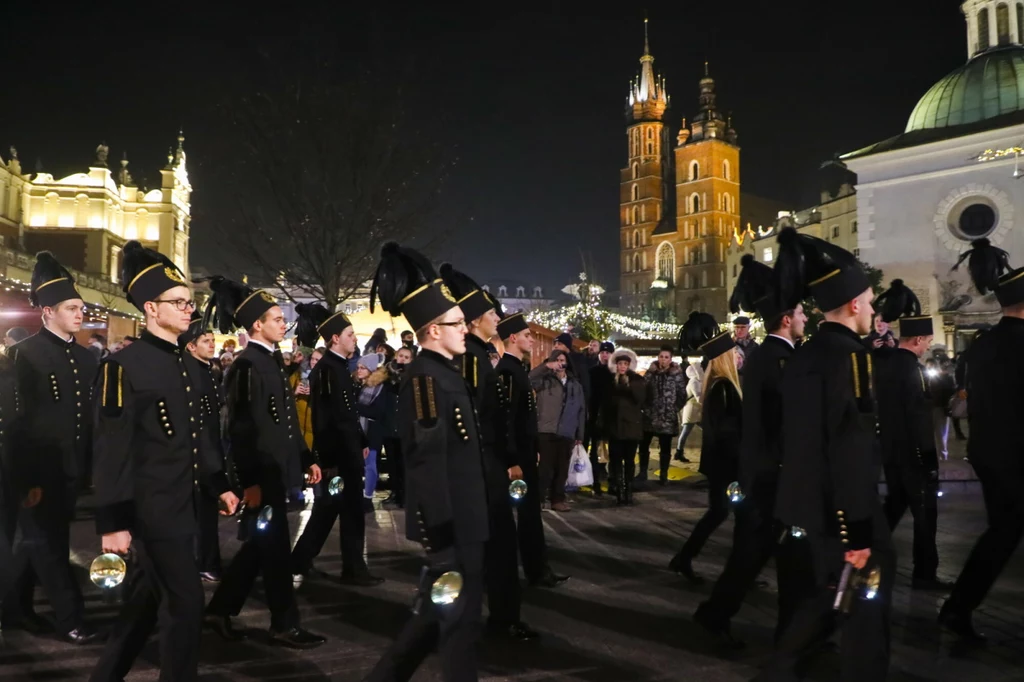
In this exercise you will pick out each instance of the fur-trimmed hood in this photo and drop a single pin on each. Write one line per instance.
(377, 377)
(617, 353)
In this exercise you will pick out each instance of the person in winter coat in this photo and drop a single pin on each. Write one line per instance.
(719, 456)
(666, 394)
(389, 425)
(372, 409)
(621, 420)
(691, 410)
(561, 412)
(601, 383)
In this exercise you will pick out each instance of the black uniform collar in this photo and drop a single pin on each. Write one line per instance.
(158, 343)
(909, 352)
(839, 329)
(52, 336)
(438, 358)
(780, 341)
(476, 341)
(1007, 321)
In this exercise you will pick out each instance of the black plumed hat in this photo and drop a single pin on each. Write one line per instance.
(471, 298)
(407, 284)
(315, 319)
(147, 274)
(899, 302)
(195, 329)
(989, 267)
(701, 334)
(755, 290)
(233, 304)
(51, 282)
(808, 266)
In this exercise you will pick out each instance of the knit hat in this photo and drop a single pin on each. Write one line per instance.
(369, 361)
(565, 339)
(607, 347)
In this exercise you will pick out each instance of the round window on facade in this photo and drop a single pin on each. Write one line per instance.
(973, 218)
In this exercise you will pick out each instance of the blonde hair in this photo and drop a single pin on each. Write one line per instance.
(721, 367)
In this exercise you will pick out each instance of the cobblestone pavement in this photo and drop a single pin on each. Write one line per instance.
(622, 616)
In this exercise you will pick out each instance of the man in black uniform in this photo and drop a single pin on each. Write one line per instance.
(521, 450)
(199, 342)
(52, 440)
(995, 443)
(339, 443)
(10, 498)
(446, 497)
(148, 464)
(267, 450)
(906, 430)
(828, 484)
(756, 535)
(504, 596)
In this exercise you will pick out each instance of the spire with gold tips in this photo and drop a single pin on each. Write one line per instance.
(647, 98)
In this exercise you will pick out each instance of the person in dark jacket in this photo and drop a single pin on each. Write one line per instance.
(905, 428)
(601, 383)
(270, 454)
(52, 449)
(995, 442)
(561, 412)
(392, 443)
(10, 498)
(722, 426)
(828, 483)
(578, 365)
(149, 446)
(666, 395)
(622, 422)
(756, 537)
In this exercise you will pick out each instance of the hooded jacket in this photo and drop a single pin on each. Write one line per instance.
(666, 395)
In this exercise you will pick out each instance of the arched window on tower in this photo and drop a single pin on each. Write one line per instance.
(635, 215)
(704, 279)
(636, 170)
(1003, 23)
(636, 262)
(726, 170)
(650, 148)
(634, 192)
(983, 41)
(694, 170)
(650, 133)
(695, 204)
(666, 263)
(636, 238)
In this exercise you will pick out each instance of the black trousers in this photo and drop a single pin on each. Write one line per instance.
(8, 521)
(621, 458)
(718, 511)
(909, 485)
(165, 589)
(555, 454)
(208, 540)
(44, 555)
(664, 453)
(501, 561)
(264, 551)
(347, 508)
(533, 549)
(864, 651)
(996, 545)
(592, 441)
(396, 467)
(454, 635)
(755, 539)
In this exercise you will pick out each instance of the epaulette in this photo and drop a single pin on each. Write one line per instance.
(863, 379)
(112, 388)
(469, 369)
(423, 398)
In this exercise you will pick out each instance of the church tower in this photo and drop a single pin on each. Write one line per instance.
(707, 166)
(641, 197)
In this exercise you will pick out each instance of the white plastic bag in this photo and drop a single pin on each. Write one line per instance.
(580, 471)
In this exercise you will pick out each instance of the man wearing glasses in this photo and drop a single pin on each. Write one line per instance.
(148, 448)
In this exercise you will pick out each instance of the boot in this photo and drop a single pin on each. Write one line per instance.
(620, 488)
(628, 486)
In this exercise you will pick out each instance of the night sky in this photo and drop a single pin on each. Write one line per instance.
(530, 100)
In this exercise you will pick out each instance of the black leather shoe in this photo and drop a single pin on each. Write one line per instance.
(296, 638)
(960, 624)
(83, 634)
(364, 579)
(519, 632)
(223, 627)
(931, 584)
(683, 567)
(718, 632)
(209, 577)
(549, 579)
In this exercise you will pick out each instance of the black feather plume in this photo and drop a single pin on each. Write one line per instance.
(459, 283)
(401, 271)
(226, 295)
(898, 301)
(791, 268)
(47, 268)
(986, 265)
(756, 281)
(310, 317)
(698, 329)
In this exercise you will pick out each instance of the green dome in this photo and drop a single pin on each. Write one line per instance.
(991, 84)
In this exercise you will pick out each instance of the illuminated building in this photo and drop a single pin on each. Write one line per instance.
(85, 219)
(952, 175)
